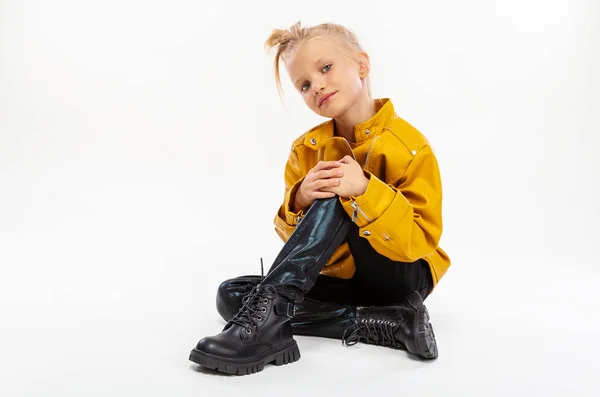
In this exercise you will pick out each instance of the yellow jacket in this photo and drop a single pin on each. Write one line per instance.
(400, 213)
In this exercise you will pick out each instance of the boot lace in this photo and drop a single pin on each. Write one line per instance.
(254, 306)
(371, 331)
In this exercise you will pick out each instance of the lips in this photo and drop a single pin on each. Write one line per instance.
(326, 97)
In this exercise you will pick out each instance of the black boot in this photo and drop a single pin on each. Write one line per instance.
(323, 319)
(231, 292)
(404, 326)
(312, 317)
(260, 333)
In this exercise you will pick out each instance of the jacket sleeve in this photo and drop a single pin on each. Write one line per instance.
(402, 222)
(286, 220)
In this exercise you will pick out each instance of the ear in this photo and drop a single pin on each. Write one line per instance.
(364, 64)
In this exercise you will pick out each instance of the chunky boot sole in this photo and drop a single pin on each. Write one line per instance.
(286, 355)
(423, 341)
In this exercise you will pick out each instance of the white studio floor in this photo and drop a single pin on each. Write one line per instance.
(503, 338)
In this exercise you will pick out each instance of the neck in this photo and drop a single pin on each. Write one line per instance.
(359, 112)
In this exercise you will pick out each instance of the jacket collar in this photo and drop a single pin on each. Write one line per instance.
(362, 132)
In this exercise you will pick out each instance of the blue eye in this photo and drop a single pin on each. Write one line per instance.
(324, 69)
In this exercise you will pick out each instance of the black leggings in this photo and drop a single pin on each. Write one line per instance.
(378, 281)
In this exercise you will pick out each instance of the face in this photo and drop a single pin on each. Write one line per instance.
(329, 81)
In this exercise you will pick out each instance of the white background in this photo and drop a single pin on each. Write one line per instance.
(142, 146)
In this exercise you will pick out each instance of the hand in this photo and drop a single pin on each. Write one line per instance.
(325, 175)
(354, 182)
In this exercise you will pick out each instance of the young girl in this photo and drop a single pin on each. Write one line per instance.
(361, 230)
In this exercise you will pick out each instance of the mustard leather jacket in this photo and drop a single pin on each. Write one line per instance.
(400, 213)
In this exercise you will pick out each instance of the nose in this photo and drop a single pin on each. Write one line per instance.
(318, 86)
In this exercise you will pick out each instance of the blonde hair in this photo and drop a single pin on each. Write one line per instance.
(287, 40)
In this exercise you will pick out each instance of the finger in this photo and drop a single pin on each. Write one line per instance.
(321, 183)
(332, 173)
(323, 194)
(347, 159)
(323, 165)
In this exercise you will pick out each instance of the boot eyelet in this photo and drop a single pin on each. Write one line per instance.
(248, 331)
(362, 320)
(393, 324)
(379, 321)
(371, 320)
(265, 302)
(259, 318)
(263, 309)
(387, 321)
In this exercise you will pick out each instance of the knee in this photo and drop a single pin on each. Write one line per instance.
(231, 292)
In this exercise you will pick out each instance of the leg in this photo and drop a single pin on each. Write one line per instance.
(380, 288)
(383, 280)
(396, 316)
(326, 311)
(261, 332)
(317, 236)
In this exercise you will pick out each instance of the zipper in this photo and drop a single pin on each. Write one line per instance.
(369, 152)
(356, 211)
(354, 204)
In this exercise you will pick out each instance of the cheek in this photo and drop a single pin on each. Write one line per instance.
(308, 99)
(354, 84)
(348, 80)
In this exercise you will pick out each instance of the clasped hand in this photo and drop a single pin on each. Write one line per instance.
(327, 179)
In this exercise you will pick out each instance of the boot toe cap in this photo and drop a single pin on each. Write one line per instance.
(221, 345)
(215, 347)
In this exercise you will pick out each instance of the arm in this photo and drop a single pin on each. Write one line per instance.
(286, 219)
(402, 222)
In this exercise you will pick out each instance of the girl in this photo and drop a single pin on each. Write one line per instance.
(361, 231)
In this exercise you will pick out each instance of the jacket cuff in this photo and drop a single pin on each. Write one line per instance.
(292, 218)
(370, 205)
